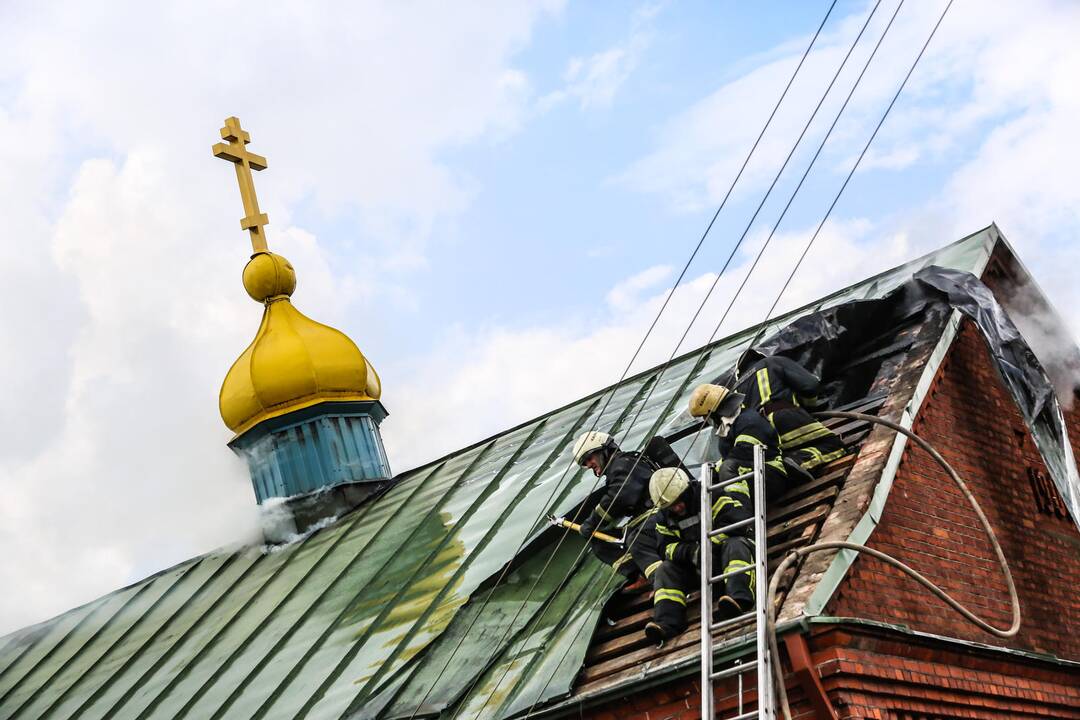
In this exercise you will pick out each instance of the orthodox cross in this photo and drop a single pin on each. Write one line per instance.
(236, 152)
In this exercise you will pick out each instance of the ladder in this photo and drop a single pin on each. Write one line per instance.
(761, 664)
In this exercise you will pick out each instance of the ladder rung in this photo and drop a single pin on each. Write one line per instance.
(732, 573)
(724, 624)
(733, 481)
(744, 716)
(734, 670)
(732, 526)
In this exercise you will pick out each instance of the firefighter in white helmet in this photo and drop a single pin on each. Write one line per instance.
(677, 499)
(625, 496)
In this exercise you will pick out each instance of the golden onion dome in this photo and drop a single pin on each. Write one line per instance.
(293, 362)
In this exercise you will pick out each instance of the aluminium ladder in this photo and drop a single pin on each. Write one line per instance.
(766, 703)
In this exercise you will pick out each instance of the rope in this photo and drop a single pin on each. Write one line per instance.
(794, 555)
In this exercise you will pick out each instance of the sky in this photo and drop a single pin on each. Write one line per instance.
(491, 199)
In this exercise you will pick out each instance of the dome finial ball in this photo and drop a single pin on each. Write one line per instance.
(268, 275)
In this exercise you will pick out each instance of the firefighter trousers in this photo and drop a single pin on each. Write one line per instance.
(804, 439)
(675, 580)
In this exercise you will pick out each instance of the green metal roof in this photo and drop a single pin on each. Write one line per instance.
(360, 618)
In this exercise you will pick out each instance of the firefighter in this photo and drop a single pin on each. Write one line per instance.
(739, 430)
(626, 495)
(783, 391)
(677, 499)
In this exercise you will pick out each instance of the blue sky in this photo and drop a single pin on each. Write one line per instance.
(491, 199)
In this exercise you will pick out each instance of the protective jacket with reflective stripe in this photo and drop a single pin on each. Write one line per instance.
(626, 492)
(677, 538)
(781, 390)
(748, 430)
(779, 378)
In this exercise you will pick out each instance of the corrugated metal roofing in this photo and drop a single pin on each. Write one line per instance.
(361, 617)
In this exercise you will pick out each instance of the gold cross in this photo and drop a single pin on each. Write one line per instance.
(236, 152)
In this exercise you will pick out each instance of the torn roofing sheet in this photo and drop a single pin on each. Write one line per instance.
(822, 338)
(345, 621)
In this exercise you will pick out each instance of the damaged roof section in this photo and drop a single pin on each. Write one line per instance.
(391, 611)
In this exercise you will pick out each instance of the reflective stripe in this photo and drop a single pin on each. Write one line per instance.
(763, 388)
(652, 568)
(735, 565)
(818, 458)
(717, 539)
(664, 531)
(669, 550)
(810, 431)
(671, 595)
(741, 487)
(621, 561)
(748, 439)
(602, 513)
(777, 463)
(722, 503)
(642, 517)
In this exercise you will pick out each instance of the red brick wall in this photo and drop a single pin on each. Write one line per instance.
(973, 422)
(875, 674)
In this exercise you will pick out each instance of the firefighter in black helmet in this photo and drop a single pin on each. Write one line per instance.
(783, 391)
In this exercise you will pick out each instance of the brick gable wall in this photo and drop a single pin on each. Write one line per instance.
(972, 421)
(884, 674)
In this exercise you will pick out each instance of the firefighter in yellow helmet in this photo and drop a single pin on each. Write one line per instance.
(625, 497)
(739, 429)
(677, 499)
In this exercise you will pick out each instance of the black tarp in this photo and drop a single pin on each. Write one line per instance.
(822, 341)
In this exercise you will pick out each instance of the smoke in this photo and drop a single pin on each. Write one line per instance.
(1047, 335)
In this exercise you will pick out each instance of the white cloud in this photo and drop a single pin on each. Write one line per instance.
(123, 253)
(594, 81)
(993, 103)
(625, 295)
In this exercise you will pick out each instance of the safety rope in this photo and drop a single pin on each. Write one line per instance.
(793, 555)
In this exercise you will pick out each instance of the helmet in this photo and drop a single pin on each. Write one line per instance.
(666, 485)
(589, 443)
(708, 399)
(747, 360)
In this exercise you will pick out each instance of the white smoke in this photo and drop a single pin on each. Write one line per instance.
(1047, 335)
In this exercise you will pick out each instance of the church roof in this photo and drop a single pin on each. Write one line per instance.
(399, 608)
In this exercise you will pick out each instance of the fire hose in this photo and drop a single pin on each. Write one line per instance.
(792, 556)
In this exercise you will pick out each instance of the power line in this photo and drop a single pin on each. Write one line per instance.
(633, 358)
(850, 174)
(828, 212)
(693, 320)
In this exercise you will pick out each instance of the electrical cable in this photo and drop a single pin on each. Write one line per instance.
(831, 207)
(795, 554)
(701, 306)
(836, 199)
(633, 358)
